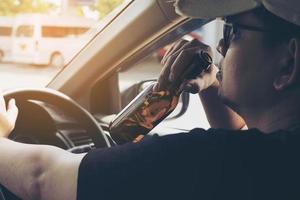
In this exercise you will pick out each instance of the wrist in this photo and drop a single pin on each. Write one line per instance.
(213, 87)
(5, 129)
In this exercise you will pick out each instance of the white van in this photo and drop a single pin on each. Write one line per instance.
(49, 40)
(6, 27)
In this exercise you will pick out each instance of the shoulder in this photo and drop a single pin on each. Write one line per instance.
(201, 159)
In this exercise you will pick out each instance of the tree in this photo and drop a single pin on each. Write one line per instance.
(104, 7)
(13, 7)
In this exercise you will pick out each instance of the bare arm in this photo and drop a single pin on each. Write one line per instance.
(38, 171)
(34, 171)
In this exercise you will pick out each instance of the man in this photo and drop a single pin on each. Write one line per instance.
(258, 81)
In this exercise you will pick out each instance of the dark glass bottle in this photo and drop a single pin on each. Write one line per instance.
(150, 107)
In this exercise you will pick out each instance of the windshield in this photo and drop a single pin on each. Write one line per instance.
(38, 38)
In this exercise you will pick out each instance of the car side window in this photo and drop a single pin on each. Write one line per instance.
(40, 38)
(133, 79)
(24, 31)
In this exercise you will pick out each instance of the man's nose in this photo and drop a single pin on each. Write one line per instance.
(221, 48)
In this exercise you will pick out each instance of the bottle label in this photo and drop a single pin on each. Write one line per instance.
(155, 107)
(149, 108)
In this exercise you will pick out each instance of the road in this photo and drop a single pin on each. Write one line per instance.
(14, 75)
(21, 75)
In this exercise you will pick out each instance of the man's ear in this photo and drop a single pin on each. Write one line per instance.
(289, 72)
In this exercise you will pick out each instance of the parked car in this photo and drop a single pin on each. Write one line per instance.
(42, 39)
(6, 28)
(49, 40)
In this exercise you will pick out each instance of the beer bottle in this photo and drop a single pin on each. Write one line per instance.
(150, 107)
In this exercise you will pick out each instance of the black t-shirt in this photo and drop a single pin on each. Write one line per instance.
(204, 165)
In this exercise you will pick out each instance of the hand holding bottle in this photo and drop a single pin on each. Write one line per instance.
(185, 62)
(177, 59)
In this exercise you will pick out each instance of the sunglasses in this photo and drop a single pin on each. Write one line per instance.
(229, 29)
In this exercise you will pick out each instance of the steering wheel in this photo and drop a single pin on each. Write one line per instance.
(61, 101)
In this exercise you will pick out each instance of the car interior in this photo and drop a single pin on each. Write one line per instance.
(75, 108)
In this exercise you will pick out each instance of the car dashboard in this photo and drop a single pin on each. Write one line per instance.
(43, 123)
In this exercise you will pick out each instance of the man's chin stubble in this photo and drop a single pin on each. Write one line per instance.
(228, 102)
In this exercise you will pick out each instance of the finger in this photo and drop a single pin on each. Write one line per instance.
(182, 46)
(173, 49)
(2, 103)
(181, 62)
(167, 61)
(163, 79)
(197, 44)
(163, 60)
(189, 49)
(171, 56)
(12, 111)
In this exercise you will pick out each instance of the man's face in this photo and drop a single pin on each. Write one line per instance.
(248, 67)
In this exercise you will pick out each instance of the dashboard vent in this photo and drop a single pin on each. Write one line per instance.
(76, 137)
(77, 141)
(80, 138)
